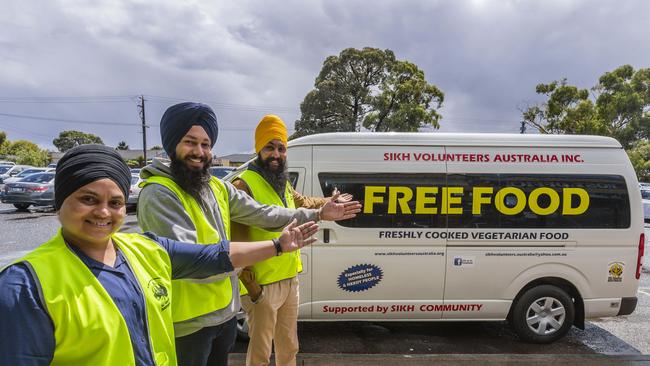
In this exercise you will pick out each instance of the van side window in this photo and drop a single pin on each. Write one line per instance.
(544, 201)
(392, 208)
(397, 200)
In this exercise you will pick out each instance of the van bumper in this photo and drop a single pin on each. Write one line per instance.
(628, 304)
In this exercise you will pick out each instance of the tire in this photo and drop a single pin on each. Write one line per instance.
(543, 314)
(22, 206)
(242, 326)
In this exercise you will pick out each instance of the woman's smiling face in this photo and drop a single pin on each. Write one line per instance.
(93, 213)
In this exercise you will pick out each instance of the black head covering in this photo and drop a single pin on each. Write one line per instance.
(179, 118)
(85, 164)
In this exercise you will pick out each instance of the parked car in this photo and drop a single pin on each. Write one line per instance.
(135, 171)
(13, 170)
(24, 174)
(220, 171)
(4, 168)
(53, 165)
(645, 197)
(134, 191)
(5, 162)
(36, 189)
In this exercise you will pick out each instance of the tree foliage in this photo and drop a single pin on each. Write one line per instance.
(69, 139)
(369, 89)
(122, 146)
(640, 157)
(4, 143)
(28, 153)
(618, 106)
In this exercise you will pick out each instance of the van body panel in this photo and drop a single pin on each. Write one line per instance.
(602, 307)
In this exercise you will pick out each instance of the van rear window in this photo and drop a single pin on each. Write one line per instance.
(478, 201)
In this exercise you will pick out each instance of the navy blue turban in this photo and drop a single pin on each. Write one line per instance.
(85, 164)
(179, 118)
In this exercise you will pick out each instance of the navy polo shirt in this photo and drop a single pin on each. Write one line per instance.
(27, 332)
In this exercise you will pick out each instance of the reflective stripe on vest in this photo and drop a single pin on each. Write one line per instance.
(192, 299)
(277, 268)
(88, 327)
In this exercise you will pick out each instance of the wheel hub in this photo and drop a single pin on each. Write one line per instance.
(545, 315)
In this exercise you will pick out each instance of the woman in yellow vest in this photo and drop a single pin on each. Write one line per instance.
(93, 296)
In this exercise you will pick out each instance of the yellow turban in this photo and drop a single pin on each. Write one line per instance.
(270, 128)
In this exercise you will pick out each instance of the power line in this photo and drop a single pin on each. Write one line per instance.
(23, 131)
(77, 121)
(221, 105)
(222, 126)
(79, 99)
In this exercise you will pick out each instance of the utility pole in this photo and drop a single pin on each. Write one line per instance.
(144, 129)
(522, 129)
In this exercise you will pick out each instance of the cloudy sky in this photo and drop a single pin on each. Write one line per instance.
(74, 64)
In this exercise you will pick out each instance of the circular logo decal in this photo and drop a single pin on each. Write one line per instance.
(360, 277)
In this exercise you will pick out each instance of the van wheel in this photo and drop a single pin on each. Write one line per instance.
(21, 206)
(543, 314)
(242, 326)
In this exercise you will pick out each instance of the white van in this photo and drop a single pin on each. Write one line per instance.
(541, 230)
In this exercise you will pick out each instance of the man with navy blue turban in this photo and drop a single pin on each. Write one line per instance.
(180, 200)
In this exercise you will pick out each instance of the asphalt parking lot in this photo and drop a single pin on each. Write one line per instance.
(621, 336)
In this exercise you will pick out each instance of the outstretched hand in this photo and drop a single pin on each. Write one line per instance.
(342, 197)
(335, 211)
(296, 236)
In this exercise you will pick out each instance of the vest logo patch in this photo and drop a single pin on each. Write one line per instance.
(159, 292)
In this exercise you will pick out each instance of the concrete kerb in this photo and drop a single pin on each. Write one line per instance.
(317, 359)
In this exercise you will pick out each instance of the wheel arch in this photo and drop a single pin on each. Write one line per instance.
(572, 282)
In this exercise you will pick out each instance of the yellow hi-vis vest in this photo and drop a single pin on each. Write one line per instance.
(277, 268)
(88, 327)
(193, 299)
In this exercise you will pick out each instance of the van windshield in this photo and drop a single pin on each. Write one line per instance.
(3, 169)
(645, 194)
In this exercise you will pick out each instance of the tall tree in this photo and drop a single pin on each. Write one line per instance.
(122, 146)
(618, 106)
(371, 89)
(69, 139)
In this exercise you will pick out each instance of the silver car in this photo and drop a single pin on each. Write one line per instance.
(35, 189)
(24, 174)
(134, 191)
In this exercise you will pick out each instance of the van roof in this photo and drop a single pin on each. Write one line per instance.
(455, 139)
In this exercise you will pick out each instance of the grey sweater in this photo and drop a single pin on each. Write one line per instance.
(161, 212)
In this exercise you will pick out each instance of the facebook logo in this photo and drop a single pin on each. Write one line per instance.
(458, 261)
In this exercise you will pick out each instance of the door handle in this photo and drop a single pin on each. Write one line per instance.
(326, 236)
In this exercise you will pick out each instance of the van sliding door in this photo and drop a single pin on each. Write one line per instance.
(389, 261)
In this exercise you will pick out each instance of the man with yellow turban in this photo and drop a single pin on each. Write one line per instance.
(270, 293)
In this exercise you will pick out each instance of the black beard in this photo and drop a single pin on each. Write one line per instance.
(277, 178)
(191, 180)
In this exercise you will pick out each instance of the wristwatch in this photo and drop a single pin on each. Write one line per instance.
(278, 247)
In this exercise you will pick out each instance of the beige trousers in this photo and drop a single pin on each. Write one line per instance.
(273, 321)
